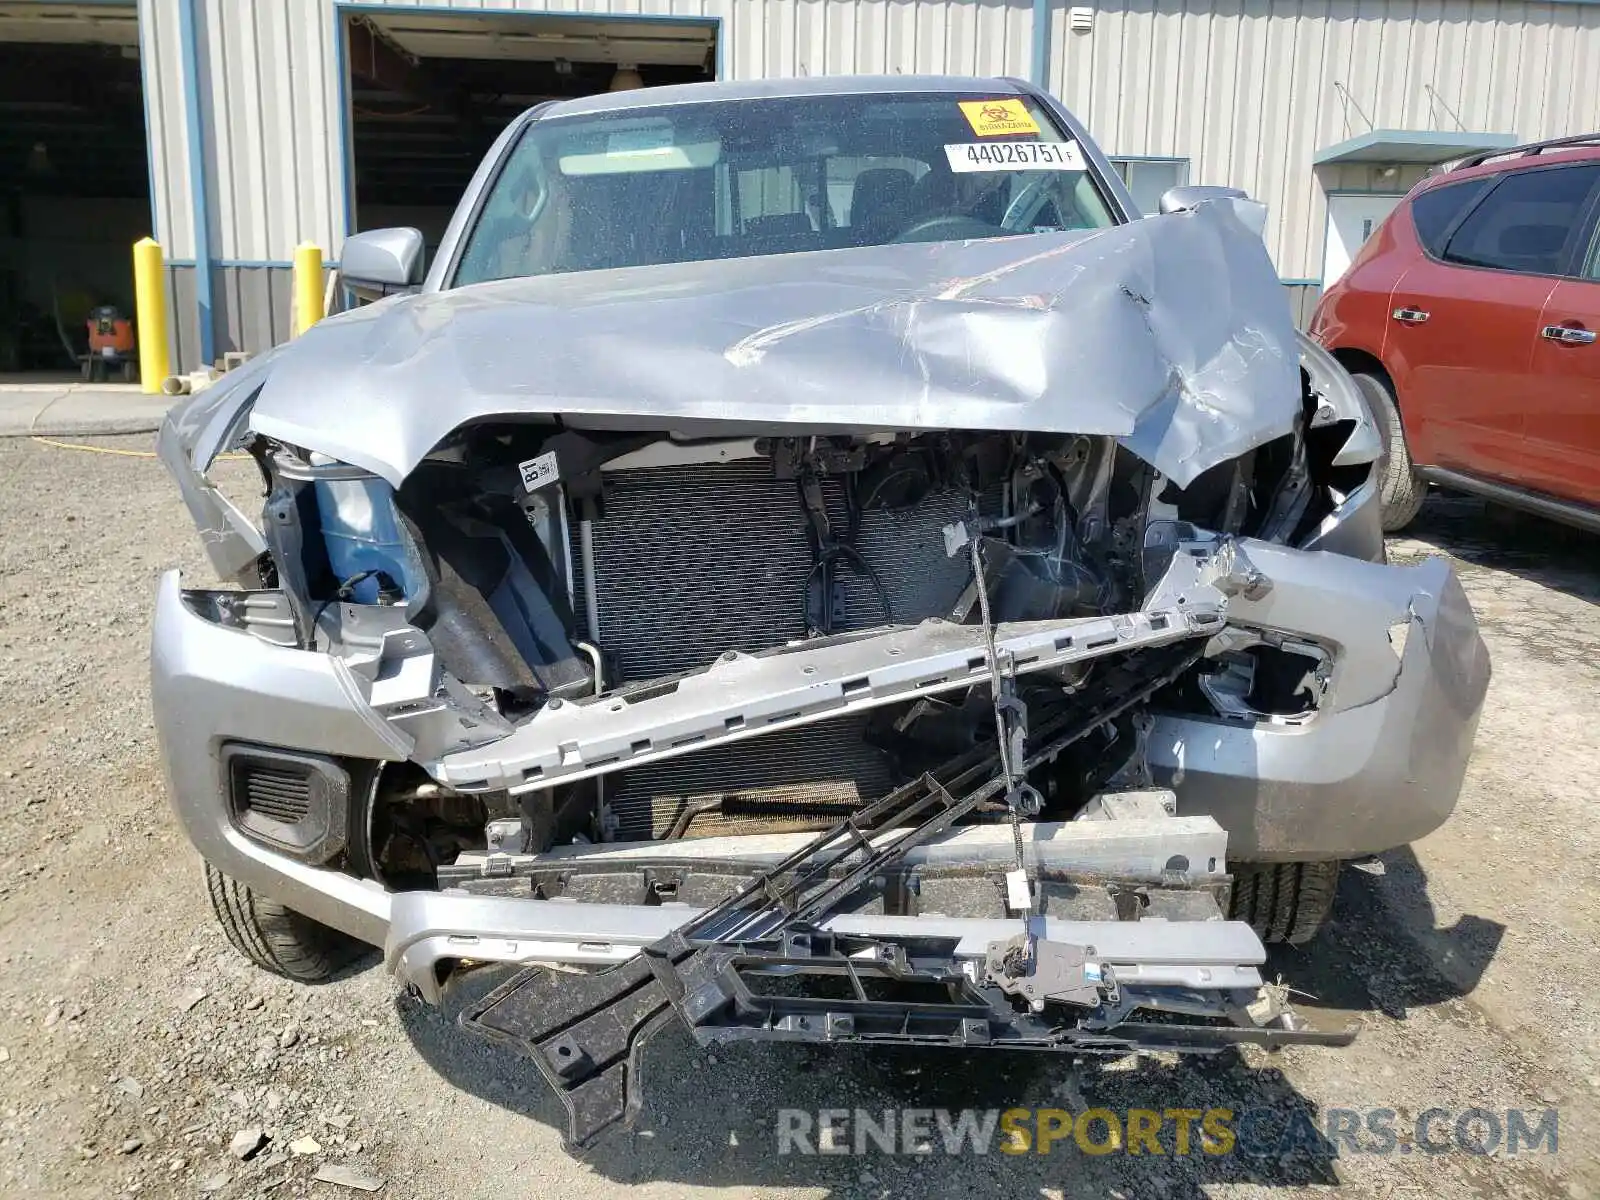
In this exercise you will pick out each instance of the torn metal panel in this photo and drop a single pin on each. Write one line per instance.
(1170, 333)
(231, 540)
(1339, 400)
(1340, 602)
(744, 695)
(1381, 764)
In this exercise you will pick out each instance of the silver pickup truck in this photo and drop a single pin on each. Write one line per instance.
(810, 561)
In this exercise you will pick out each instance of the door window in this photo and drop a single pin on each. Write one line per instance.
(1590, 267)
(1436, 210)
(1526, 222)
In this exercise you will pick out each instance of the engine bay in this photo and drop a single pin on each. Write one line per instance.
(552, 573)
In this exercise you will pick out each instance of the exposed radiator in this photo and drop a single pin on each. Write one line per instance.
(798, 779)
(694, 560)
(691, 561)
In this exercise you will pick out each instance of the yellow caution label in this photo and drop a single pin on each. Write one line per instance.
(991, 118)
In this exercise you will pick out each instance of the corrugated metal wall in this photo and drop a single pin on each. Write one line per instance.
(161, 58)
(250, 310)
(276, 122)
(843, 37)
(271, 126)
(271, 110)
(1248, 90)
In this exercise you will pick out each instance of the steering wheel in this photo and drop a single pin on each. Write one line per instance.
(1024, 206)
(945, 227)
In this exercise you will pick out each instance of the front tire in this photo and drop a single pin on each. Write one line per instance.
(1284, 902)
(1400, 490)
(275, 937)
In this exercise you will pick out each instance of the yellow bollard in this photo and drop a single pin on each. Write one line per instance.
(150, 314)
(307, 286)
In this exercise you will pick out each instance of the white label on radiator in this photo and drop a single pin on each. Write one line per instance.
(537, 472)
(1017, 898)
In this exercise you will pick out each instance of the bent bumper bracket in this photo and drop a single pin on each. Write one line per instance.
(585, 1034)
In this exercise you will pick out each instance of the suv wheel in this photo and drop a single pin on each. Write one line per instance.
(277, 938)
(1284, 902)
(1400, 490)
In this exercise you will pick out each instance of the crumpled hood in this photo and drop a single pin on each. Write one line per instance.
(1171, 333)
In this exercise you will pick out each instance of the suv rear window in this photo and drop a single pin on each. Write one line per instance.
(1435, 211)
(1525, 223)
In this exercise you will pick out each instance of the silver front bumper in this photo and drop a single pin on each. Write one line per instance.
(1381, 764)
(431, 930)
(1378, 766)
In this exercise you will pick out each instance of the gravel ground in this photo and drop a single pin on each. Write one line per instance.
(135, 1047)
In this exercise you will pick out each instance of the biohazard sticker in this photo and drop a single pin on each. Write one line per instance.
(992, 118)
(1015, 156)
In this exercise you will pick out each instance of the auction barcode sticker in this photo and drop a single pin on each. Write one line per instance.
(1015, 156)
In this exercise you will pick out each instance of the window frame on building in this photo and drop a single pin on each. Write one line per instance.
(1126, 165)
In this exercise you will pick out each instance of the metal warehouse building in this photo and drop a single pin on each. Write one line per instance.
(232, 130)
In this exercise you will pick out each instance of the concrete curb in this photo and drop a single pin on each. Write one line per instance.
(79, 411)
(82, 429)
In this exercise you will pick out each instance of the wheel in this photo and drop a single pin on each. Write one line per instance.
(1400, 490)
(277, 938)
(1284, 902)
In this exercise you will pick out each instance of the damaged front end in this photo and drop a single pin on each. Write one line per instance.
(913, 672)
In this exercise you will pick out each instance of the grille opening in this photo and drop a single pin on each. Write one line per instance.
(292, 802)
(727, 559)
(277, 793)
(693, 561)
(818, 986)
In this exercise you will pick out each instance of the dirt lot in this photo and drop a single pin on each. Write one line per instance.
(134, 1045)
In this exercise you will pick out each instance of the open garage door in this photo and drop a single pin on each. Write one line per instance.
(74, 182)
(430, 91)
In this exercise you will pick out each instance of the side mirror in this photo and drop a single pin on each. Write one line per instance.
(1252, 213)
(1189, 195)
(381, 262)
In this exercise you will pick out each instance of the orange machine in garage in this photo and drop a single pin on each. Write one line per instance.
(111, 345)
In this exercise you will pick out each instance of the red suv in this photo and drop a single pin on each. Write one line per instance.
(1469, 320)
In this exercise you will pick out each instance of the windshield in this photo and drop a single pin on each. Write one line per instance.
(732, 179)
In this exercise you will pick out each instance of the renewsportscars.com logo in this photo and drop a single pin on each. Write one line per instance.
(1176, 1131)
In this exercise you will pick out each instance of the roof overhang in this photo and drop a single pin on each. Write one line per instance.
(1423, 146)
(109, 24)
(527, 36)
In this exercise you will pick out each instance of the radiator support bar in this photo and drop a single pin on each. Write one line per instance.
(743, 695)
(585, 1033)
